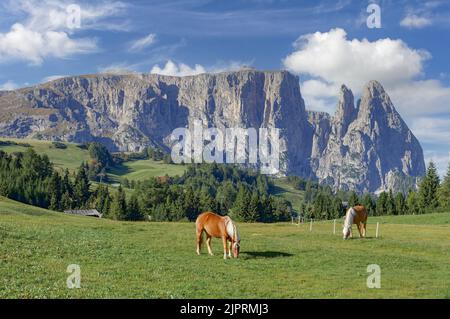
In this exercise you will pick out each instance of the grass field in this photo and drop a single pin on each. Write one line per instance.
(284, 189)
(70, 158)
(144, 169)
(157, 260)
(137, 170)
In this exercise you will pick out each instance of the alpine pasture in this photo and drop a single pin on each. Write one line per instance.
(158, 260)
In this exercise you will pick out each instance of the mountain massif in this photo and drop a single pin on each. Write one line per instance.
(367, 147)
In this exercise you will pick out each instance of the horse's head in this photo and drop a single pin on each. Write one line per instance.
(346, 232)
(236, 248)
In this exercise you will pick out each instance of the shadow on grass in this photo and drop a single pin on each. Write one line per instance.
(118, 170)
(265, 254)
(277, 190)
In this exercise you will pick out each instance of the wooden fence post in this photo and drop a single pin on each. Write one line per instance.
(376, 233)
(334, 227)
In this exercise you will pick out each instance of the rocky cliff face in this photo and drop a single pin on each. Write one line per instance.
(365, 148)
(368, 148)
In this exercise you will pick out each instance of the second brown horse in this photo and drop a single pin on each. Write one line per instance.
(220, 227)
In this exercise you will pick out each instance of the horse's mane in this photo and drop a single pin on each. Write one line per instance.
(349, 218)
(235, 234)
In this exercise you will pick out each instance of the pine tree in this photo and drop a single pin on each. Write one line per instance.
(412, 204)
(369, 204)
(308, 192)
(353, 199)
(119, 205)
(253, 212)
(54, 191)
(390, 204)
(338, 208)
(428, 188)
(102, 199)
(444, 191)
(133, 211)
(66, 185)
(207, 202)
(381, 208)
(400, 204)
(81, 187)
(54, 203)
(241, 204)
(66, 201)
(191, 204)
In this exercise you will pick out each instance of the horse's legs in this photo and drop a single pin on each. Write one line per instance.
(229, 249)
(208, 244)
(360, 230)
(364, 229)
(199, 240)
(224, 240)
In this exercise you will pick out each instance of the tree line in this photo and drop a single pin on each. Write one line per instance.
(320, 202)
(31, 178)
(243, 194)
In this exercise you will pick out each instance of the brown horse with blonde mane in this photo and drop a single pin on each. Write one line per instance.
(355, 215)
(220, 227)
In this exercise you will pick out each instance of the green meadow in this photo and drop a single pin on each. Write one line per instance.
(139, 170)
(72, 156)
(158, 260)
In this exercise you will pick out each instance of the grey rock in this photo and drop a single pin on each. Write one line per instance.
(369, 148)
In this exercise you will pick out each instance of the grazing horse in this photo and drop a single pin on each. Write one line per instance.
(220, 227)
(355, 215)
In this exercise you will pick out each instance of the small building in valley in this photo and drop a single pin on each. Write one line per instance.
(84, 212)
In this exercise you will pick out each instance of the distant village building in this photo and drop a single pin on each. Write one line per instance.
(84, 212)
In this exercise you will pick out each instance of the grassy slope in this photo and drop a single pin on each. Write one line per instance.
(73, 156)
(284, 189)
(70, 158)
(144, 169)
(132, 170)
(122, 259)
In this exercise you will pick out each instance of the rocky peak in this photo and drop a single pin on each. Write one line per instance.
(345, 112)
(370, 148)
(366, 148)
(376, 109)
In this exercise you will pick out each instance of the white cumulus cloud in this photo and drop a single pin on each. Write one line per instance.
(45, 31)
(330, 59)
(180, 69)
(413, 21)
(22, 43)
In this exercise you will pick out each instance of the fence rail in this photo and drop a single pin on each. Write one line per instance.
(298, 221)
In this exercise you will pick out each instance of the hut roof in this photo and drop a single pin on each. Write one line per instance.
(84, 212)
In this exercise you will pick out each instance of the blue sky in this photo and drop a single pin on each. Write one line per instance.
(326, 43)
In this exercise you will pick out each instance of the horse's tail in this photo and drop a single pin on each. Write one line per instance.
(199, 230)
